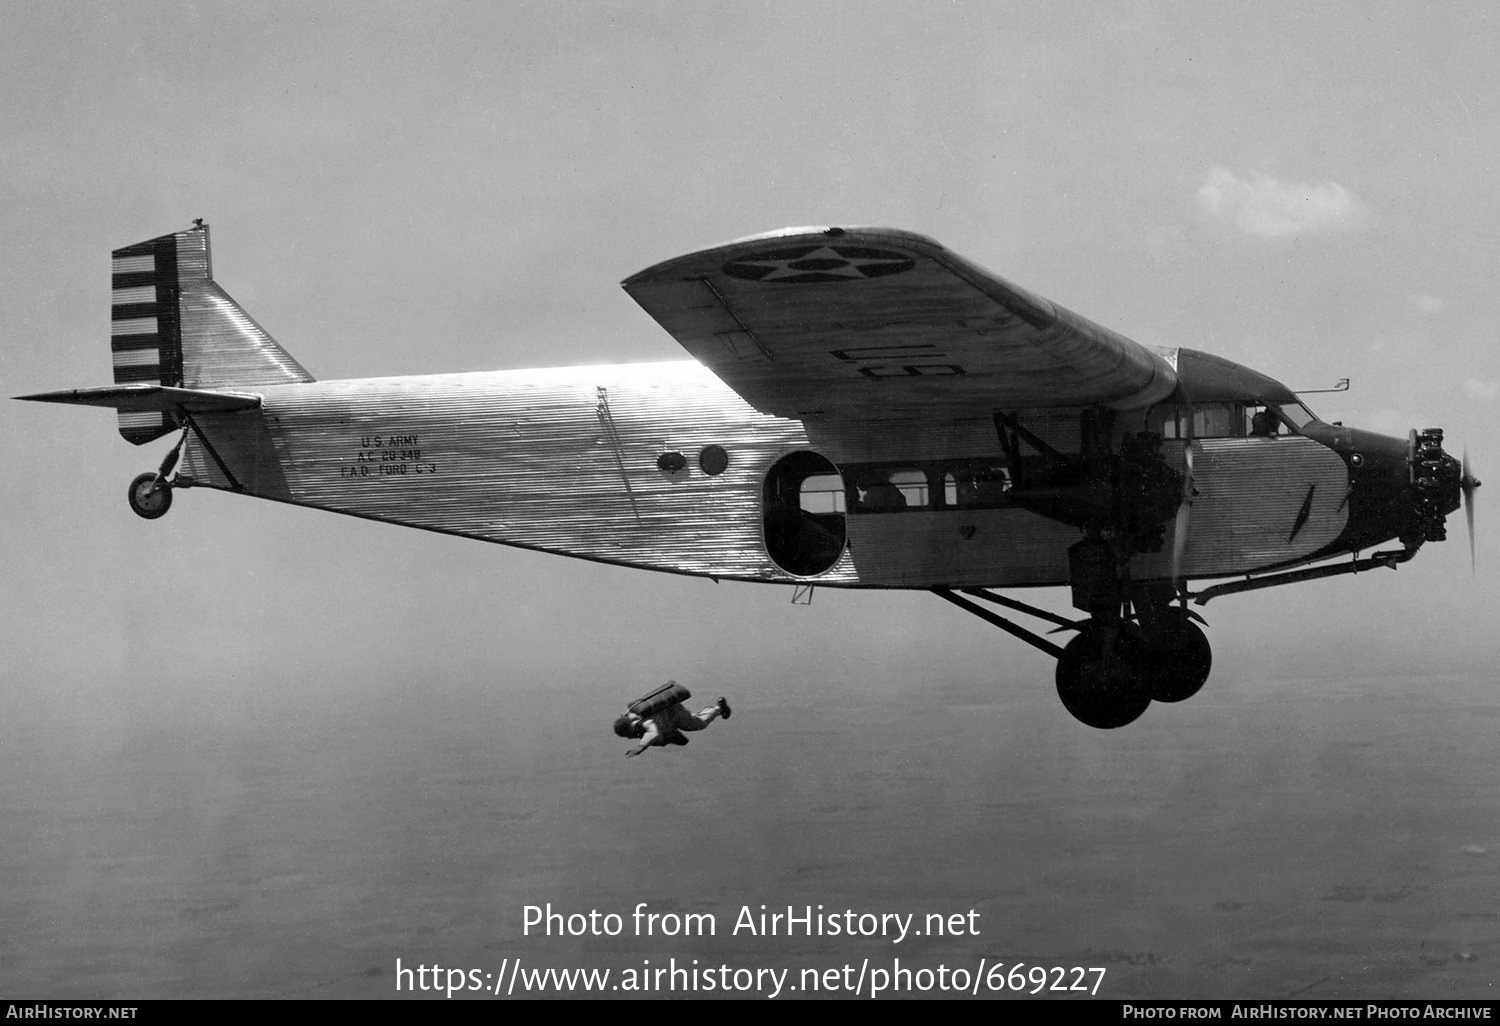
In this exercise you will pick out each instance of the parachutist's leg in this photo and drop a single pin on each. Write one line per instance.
(703, 719)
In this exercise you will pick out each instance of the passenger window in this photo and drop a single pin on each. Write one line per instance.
(976, 486)
(891, 489)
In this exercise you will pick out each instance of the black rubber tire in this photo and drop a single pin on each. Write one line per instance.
(1101, 689)
(1179, 662)
(149, 499)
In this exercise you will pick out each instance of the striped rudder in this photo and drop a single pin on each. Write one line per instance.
(145, 337)
(172, 325)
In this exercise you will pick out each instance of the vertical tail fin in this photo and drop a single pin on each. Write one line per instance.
(172, 325)
(145, 336)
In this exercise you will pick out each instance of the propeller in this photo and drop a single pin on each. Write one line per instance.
(1184, 512)
(1468, 483)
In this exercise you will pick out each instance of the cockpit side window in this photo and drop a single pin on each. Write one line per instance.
(1209, 420)
(1214, 420)
(1261, 421)
(1229, 419)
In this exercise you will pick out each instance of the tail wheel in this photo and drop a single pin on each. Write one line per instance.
(150, 496)
(1100, 679)
(1177, 659)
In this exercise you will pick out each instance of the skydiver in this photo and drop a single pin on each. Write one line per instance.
(659, 718)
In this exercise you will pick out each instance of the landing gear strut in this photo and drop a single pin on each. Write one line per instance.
(1136, 647)
(1138, 650)
(1103, 676)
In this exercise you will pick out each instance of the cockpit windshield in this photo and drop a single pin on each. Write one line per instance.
(1268, 419)
(1295, 415)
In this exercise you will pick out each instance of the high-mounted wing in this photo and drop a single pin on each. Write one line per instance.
(866, 323)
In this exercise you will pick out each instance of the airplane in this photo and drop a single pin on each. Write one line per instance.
(863, 409)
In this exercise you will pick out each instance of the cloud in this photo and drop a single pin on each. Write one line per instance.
(1485, 391)
(1263, 206)
(1427, 302)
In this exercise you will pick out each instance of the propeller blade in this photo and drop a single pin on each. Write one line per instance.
(1468, 484)
(1184, 516)
(1179, 542)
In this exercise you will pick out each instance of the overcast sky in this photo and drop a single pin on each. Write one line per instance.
(409, 188)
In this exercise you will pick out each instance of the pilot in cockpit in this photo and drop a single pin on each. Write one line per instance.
(1264, 425)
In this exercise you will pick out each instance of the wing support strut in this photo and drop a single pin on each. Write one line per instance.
(1391, 559)
(1020, 607)
(1004, 421)
(996, 620)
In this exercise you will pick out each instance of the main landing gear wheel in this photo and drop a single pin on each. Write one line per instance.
(150, 496)
(1100, 678)
(1178, 658)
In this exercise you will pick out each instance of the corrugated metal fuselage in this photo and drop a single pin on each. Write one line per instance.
(569, 461)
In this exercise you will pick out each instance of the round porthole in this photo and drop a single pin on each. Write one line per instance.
(713, 459)
(1356, 460)
(671, 462)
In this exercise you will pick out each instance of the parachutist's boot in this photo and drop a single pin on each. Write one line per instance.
(724, 707)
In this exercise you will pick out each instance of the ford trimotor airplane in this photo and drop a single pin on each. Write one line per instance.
(864, 409)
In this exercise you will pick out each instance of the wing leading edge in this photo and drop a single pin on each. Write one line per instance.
(872, 323)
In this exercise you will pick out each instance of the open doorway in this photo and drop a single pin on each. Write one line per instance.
(804, 514)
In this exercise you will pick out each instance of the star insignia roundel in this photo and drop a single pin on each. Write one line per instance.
(807, 264)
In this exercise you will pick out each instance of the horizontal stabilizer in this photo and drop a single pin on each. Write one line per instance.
(150, 399)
